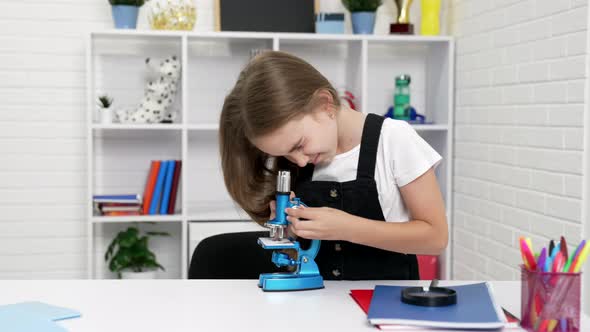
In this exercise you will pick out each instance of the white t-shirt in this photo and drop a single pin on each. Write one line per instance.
(402, 156)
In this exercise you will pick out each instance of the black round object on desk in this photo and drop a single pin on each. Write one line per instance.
(431, 296)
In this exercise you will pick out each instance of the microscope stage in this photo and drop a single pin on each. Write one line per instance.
(270, 243)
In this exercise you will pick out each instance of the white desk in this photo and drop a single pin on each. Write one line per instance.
(210, 305)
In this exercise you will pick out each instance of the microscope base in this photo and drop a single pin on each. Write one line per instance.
(270, 282)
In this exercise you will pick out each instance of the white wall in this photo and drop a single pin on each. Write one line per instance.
(521, 74)
(42, 133)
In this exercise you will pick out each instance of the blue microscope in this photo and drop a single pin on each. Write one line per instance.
(306, 274)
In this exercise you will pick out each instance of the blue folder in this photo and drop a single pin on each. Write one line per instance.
(475, 309)
(159, 187)
(167, 187)
(34, 317)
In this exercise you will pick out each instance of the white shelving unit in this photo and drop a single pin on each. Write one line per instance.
(119, 154)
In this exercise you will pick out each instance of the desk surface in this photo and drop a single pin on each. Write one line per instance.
(211, 305)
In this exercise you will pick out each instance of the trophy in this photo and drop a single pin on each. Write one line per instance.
(403, 25)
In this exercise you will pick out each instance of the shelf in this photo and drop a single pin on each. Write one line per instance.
(281, 35)
(215, 211)
(153, 126)
(119, 154)
(142, 218)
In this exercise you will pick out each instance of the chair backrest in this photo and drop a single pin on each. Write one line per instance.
(231, 256)
(238, 256)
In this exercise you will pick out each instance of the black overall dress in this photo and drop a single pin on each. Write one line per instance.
(343, 260)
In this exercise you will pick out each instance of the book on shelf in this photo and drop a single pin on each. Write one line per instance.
(159, 194)
(167, 187)
(103, 208)
(149, 185)
(112, 203)
(127, 198)
(121, 213)
(158, 188)
(175, 180)
(162, 187)
(121, 208)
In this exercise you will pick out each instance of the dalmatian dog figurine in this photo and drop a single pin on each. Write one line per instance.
(160, 94)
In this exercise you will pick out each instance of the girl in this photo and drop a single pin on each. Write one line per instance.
(369, 182)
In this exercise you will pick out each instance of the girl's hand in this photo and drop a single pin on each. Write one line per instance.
(322, 223)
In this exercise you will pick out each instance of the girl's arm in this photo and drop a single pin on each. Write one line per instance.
(426, 233)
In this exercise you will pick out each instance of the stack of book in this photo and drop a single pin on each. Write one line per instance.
(117, 205)
(476, 309)
(159, 196)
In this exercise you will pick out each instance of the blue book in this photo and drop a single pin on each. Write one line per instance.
(167, 187)
(475, 309)
(34, 316)
(159, 187)
(131, 198)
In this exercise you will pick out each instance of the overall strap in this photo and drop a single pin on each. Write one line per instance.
(369, 145)
(305, 174)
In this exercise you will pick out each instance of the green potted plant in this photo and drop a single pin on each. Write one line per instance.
(362, 13)
(129, 255)
(104, 104)
(125, 13)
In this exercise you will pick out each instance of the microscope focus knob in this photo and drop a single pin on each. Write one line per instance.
(282, 259)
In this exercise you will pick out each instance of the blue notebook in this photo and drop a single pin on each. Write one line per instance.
(159, 187)
(475, 309)
(167, 187)
(34, 317)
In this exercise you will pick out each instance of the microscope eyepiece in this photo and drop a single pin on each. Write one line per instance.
(284, 182)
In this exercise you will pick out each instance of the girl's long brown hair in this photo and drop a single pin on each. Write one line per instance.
(274, 88)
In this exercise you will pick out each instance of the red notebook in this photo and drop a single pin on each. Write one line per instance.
(363, 299)
(149, 185)
(174, 190)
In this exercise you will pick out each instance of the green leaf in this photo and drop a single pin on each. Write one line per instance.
(129, 250)
(104, 101)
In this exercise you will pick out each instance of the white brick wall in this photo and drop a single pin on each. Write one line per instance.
(521, 74)
(42, 135)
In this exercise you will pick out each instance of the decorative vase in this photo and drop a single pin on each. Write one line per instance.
(172, 15)
(430, 25)
(363, 22)
(150, 274)
(125, 16)
(106, 115)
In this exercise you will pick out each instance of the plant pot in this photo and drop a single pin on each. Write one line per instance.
(106, 115)
(363, 22)
(150, 274)
(125, 17)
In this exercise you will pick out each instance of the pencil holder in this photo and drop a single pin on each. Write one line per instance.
(550, 301)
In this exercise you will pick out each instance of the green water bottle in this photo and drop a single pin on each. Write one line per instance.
(401, 97)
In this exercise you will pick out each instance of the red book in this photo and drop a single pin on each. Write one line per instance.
(121, 213)
(175, 180)
(149, 186)
(103, 205)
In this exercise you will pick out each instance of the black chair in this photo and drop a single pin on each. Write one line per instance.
(231, 256)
